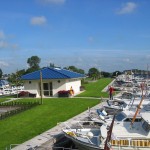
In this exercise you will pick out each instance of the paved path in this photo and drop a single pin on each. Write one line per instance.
(45, 140)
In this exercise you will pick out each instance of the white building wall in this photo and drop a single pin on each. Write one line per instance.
(75, 83)
(58, 85)
(32, 86)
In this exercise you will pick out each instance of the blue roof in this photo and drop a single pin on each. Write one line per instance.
(52, 73)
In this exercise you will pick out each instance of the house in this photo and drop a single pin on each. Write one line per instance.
(53, 80)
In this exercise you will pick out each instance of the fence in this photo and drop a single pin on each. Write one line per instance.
(20, 106)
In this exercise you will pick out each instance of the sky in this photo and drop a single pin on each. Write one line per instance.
(109, 35)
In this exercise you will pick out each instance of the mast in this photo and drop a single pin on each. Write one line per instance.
(139, 106)
(109, 132)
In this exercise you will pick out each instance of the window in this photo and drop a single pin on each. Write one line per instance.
(120, 117)
(146, 126)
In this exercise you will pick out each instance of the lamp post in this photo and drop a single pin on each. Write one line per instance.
(41, 85)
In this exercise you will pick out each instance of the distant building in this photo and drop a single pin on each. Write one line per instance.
(53, 80)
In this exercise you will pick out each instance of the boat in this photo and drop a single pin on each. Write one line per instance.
(131, 136)
(125, 135)
(113, 106)
(85, 138)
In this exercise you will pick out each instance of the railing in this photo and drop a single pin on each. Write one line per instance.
(131, 143)
(20, 106)
(78, 133)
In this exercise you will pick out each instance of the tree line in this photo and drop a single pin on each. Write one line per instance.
(34, 62)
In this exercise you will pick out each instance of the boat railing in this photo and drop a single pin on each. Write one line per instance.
(76, 133)
(82, 124)
(131, 143)
(86, 136)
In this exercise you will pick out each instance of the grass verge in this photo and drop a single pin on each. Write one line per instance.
(94, 89)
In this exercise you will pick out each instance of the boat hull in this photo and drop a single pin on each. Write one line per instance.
(84, 146)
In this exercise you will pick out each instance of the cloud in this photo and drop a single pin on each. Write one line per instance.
(127, 60)
(41, 20)
(56, 2)
(5, 41)
(2, 35)
(3, 64)
(3, 44)
(127, 8)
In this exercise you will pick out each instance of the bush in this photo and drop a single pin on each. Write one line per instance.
(26, 94)
(23, 94)
(82, 88)
(64, 93)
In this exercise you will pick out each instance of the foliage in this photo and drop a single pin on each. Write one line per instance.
(30, 123)
(74, 69)
(106, 74)
(15, 78)
(26, 94)
(64, 93)
(34, 61)
(33, 64)
(1, 73)
(94, 73)
(116, 73)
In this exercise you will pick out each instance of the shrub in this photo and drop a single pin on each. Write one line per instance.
(26, 94)
(64, 93)
(82, 88)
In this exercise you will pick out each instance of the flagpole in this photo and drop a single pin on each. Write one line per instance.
(41, 84)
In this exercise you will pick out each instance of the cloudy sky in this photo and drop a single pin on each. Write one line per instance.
(107, 34)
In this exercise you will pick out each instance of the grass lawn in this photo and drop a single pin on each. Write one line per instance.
(5, 98)
(93, 89)
(27, 124)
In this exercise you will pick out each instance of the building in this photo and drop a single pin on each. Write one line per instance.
(53, 80)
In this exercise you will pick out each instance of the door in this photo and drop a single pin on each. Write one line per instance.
(48, 89)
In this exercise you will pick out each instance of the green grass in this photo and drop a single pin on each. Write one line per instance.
(5, 98)
(26, 125)
(93, 89)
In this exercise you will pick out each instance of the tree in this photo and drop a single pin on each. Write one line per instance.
(74, 69)
(52, 65)
(116, 73)
(33, 64)
(94, 73)
(15, 78)
(106, 74)
(1, 73)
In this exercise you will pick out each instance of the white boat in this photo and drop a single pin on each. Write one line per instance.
(125, 136)
(85, 138)
(131, 137)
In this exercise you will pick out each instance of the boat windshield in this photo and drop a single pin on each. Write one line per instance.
(147, 107)
(120, 116)
(146, 126)
(124, 105)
